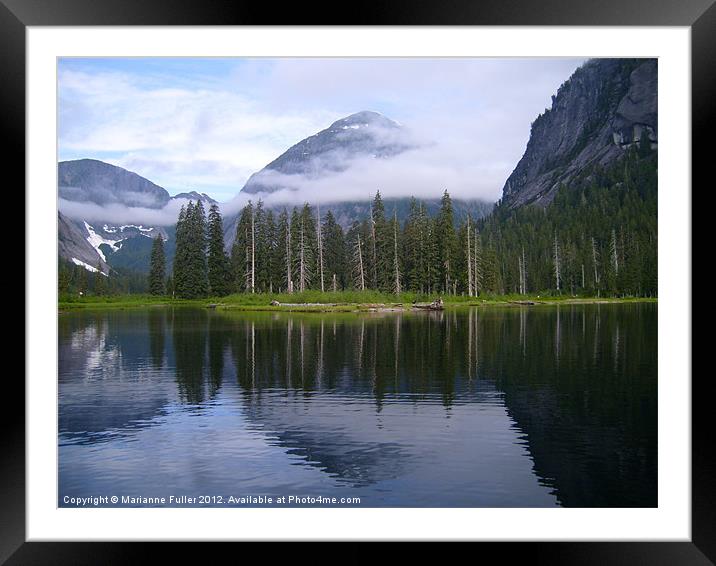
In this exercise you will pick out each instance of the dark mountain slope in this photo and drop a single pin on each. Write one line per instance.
(90, 180)
(364, 134)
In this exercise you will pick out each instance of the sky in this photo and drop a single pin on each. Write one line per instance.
(208, 124)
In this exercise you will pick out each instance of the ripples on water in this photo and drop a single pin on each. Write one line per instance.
(540, 406)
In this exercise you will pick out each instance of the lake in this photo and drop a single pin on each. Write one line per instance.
(538, 406)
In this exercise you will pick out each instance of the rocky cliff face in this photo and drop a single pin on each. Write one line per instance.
(597, 114)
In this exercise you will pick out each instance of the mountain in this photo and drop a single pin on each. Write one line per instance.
(73, 245)
(364, 134)
(90, 180)
(604, 108)
(578, 215)
(111, 245)
(87, 242)
(193, 195)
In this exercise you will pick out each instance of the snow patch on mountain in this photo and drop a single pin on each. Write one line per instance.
(87, 266)
(96, 241)
(139, 227)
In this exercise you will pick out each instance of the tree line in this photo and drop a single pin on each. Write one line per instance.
(73, 280)
(597, 237)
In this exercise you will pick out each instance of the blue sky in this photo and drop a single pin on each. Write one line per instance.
(207, 124)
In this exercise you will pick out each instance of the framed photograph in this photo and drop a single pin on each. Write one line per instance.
(422, 276)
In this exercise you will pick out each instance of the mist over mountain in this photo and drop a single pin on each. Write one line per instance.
(362, 135)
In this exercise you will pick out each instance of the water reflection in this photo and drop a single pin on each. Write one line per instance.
(481, 407)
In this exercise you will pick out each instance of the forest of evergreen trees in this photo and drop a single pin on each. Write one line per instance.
(598, 238)
(73, 280)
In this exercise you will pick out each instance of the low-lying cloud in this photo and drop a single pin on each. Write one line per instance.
(207, 125)
(423, 172)
(122, 214)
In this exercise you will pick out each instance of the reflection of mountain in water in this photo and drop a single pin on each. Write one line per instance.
(112, 370)
(105, 378)
(540, 400)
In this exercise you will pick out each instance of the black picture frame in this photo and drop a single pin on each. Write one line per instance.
(699, 15)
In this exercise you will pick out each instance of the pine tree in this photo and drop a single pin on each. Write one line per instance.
(242, 263)
(190, 272)
(447, 243)
(182, 252)
(157, 267)
(64, 277)
(81, 279)
(284, 256)
(305, 252)
(334, 251)
(381, 241)
(268, 277)
(100, 285)
(218, 263)
(200, 281)
(412, 260)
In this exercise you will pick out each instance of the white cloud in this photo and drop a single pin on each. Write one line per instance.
(210, 131)
(121, 214)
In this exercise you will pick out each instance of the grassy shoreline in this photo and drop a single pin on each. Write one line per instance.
(315, 301)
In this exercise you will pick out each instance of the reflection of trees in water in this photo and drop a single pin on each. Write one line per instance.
(588, 410)
(379, 355)
(189, 334)
(218, 342)
(156, 327)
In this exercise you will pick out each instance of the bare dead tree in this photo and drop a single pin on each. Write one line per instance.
(519, 271)
(247, 263)
(253, 250)
(557, 275)
(302, 260)
(477, 260)
(360, 273)
(289, 277)
(374, 248)
(396, 263)
(320, 244)
(595, 261)
(469, 260)
(614, 252)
